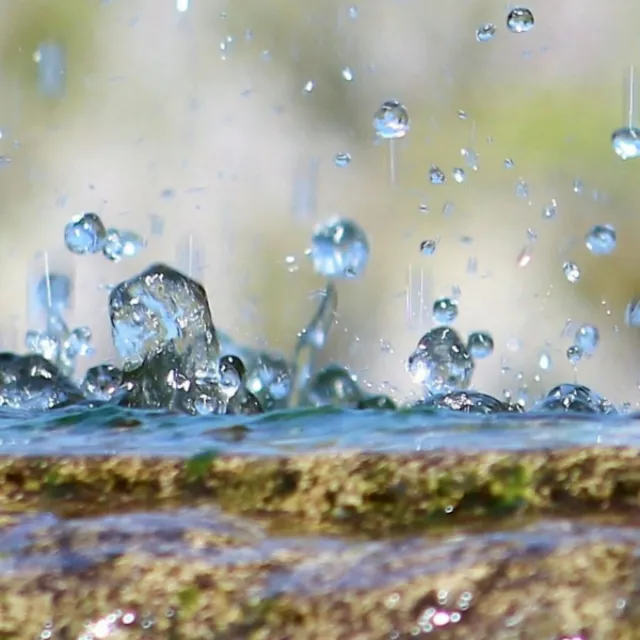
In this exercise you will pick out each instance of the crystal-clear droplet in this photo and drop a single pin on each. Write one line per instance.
(445, 310)
(520, 20)
(571, 272)
(550, 210)
(391, 120)
(428, 247)
(339, 249)
(232, 372)
(486, 32)
(574, 354)
(342, 159)
(509, 163)
(122, 244)
(480, 344)
(459, 174)
(347, 74)
(626, 142)
(436, 175)
(587, 338)
(522, 189)
(85, 234)
(601, 239)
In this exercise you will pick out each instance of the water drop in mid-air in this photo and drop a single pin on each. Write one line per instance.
(587, 338)
(85, 234)
(428, 247)
(480, 344)
(549, 211)
(391, 120)
(520, 20)
(339, 249)
(342, 159)
(445, 310)
(486, 32)
(571, 272)
(626, 142)
(436, 175)
(601, 239)
(459, 174)
(122, 244)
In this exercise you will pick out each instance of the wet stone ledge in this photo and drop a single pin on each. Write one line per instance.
(495, 545)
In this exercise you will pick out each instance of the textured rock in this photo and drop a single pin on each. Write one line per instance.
(239, 546)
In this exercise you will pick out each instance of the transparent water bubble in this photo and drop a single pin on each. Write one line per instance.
(391, 120)
(122, 244)
(571, 272)
(441, 362)
(339, 249)
(232, 373)
(85, 234)
(334, 386)
(459, 175)
(587, 338)
(574, 354)
(102, 382)
(342, 159)
(480, 344)
(428, 247)
(486, 32)
(520, 20)
(436, 175)
(445, 310)
(550, 210)
(601, 239)
(575, 398)
(626, 142)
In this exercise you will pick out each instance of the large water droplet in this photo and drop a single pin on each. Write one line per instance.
(85, 234)
(601, 239)
(391, 120)
(520, 20)
(445, 310)
(626, 142)
(334, 386)
(480, 344)
(441, 361)
(339, 249)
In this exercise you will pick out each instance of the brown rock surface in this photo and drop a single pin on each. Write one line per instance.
(499, 545)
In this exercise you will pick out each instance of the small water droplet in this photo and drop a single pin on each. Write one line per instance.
(342, 159)
(480, 344)
(509, 163)
(587, 338)
(445, 310)
(632, 313)
(428, 247)
(520, 20)
(601, 239)
(85, 234)
(486, 32)
(571, 272)
(436, 175)
(459, 175)
(308, 87)
(339, 249)
(122, 244)
(470, 158)
(626, 142)
(391, 120)
(574, 354)
(522, 189)
(347, 74)
(550, 210)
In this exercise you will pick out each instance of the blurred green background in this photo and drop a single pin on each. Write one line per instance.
(176, 123)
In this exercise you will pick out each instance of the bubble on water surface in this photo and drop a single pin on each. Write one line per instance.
(102, 382)
(587, 338)
(571, 272)
(428, 247)
(601, 239)
(232, 373)
(626, 142)
(486, 32)
(85, 233)
(466, 402)
(575, 398)
(441, 362)
(522, 189)
(122, 244)
(509, 163)
(436, 175)
(391, 120)
(342, 159)
(445, 310)
(334, 386)
(339, 249)
(520, 20)
(480, 344)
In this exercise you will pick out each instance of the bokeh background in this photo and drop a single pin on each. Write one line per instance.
(178, 119)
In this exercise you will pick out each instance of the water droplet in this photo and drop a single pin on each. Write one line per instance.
(308, 87)
(470, 158)
(550, 210)
(522, 189)
(339, 249)
(509, 163)
(571, 272)
(578, 186)
(480, 344)
(601, 239)
(626, 142)
(102, 382)
(486, 32)
(436, 175)
(441, 362)
(445, 310)
(544, 361)
(232, 373)
(334, 386)
(587, 338)
(391, 120)
(459, 175)
(122, 244)
(428, 247)
(632, 313)
(342, 159)
(85, 234)
(520, 20)
(347, 74)
(353, 12)
(574, 354)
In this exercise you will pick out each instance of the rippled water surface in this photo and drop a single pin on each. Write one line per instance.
(111, 430)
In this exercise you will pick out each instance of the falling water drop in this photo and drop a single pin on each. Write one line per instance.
(520, 20)
(626, 140)
(571, 272)
(391, 122)
(486, 32)
(480, 344)
(550, 210)
(339, 249)
(601, 239)
(85, 234)
(347, 74)
(445, 310)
